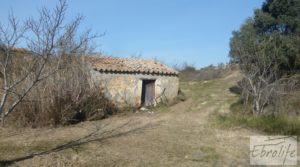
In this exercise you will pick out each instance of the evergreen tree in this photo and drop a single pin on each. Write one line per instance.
(267, 47)
(279, 22)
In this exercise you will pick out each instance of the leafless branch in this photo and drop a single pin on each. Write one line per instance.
(49, 40)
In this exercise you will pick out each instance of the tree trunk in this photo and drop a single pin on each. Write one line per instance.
(1, 121)
(256, 106)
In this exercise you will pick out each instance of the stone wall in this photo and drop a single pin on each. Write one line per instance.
(126, 89)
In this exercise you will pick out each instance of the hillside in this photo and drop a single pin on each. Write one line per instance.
(182, 135)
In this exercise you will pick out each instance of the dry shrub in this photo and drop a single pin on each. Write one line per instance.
(69, 96)
(190, 73)
(284, 98)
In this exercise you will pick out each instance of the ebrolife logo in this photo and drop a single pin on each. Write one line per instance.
(273, 150)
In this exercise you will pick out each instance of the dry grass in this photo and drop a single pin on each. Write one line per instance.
(182, 135)
(66, 97)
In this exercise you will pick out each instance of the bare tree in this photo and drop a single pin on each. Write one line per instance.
(260, 74)
(50, 42)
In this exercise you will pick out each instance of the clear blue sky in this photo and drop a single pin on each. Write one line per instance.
(173, 31)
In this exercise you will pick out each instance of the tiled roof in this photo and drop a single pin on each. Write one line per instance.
(129, 65)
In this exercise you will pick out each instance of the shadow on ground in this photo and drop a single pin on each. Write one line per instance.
(98, 135)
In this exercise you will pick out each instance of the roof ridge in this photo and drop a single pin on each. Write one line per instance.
(132, 65)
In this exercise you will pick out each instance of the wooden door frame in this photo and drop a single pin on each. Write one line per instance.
(143, 93)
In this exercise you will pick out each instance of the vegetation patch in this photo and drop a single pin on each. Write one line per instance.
(208, 154)
(161, 107)
(281, 124)
(189, 73)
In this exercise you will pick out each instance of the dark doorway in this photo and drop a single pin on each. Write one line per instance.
(148, 92)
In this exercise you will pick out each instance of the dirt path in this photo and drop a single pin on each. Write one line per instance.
(184, 135)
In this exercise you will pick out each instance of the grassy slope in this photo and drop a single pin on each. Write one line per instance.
(182, 135)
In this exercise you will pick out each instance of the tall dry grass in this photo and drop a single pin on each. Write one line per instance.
(66, 97)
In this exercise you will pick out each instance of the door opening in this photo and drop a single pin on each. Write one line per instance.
(148, 92)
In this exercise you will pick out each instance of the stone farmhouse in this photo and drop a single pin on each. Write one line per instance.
(134, 82)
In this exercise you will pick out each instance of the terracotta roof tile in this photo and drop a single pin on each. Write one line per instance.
(114, 64)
